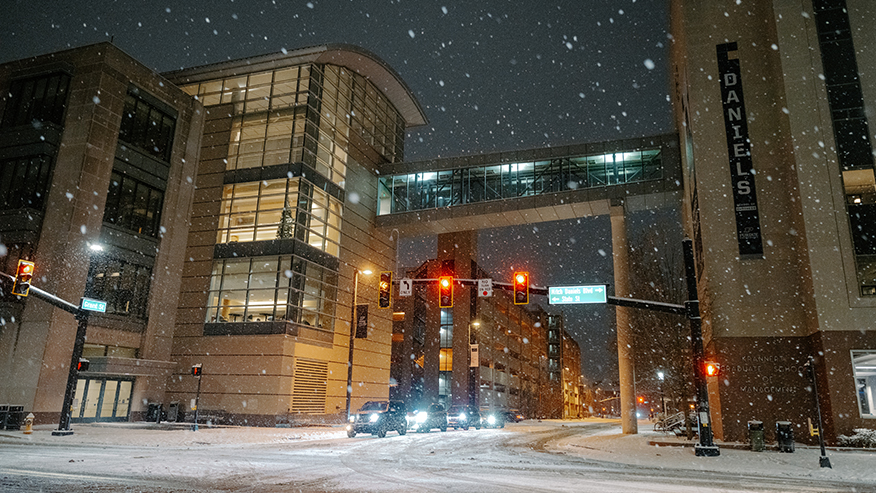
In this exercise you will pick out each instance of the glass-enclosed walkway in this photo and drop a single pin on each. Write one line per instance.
(469, 185)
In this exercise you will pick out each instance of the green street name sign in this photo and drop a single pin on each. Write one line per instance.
(575, 295)
(93, 305)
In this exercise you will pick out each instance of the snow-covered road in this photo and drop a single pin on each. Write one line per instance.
(527, 457)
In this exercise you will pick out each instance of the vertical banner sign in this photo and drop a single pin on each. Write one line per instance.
(361, 321)
(475, 361)
(739, 149)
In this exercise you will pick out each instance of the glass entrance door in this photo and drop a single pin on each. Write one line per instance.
(102, 399)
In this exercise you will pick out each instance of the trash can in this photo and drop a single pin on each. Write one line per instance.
(755, 435)
(153, 412)
(785, 436)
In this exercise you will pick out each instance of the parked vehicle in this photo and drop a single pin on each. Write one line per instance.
(463, 417)
(424, 421)
(513, 416)
(378, 417)
(492, 418)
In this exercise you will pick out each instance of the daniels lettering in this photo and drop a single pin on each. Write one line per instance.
(739, 152)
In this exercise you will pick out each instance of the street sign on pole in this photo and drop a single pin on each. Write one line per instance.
(405, 287)
(574, 295)
(93, 305)
(485, 288)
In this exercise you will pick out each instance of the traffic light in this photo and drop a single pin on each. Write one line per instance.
(641, 400)
(445, 292)
(385, 287)
(196, 370)
(521, 288)
(83, 364)
(712, 369)
(22, 278)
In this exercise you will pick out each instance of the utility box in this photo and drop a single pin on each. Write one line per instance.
(755, 435)
(785, 436)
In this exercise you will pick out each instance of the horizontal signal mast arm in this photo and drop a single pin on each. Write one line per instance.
(648, 305)
(474, 282)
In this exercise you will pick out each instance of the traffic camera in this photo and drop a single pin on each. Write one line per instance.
(445, 292)
(384, 297)
(23, 275)
(521, 288)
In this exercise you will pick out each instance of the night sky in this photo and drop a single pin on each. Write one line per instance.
(490, 75)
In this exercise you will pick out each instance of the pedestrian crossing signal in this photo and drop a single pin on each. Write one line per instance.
(196, 370)
(712, 369)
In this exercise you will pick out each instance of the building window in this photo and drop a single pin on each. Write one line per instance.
(279, 209)
(40, 99)
(123, 285)
(24, 182)
(864, 369)
(147, 127)
(305, 114)
(133, 205)
(262, 289)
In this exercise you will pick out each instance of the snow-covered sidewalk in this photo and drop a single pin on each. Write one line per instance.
(660, 450)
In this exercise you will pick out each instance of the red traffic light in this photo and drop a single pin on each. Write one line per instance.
(23, 275)
(521, 288)
(712, 369)
(445, 291)
(196, 370)
(384, 297)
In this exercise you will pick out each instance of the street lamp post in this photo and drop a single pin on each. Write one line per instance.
(660, 376)
(823, 461)
(353, 322)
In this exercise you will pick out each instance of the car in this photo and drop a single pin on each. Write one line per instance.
(378, 417)
(433, 417)
(513, 416)
(461, 416)
(492, 418)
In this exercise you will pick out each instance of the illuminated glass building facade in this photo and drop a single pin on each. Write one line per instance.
(285, 212)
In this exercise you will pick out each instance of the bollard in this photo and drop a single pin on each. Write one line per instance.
(28, 424)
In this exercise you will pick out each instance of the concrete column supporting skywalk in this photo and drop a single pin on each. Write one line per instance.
(625, 364)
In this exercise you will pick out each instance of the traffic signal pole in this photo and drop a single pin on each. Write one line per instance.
(691, 309)
(73, 374)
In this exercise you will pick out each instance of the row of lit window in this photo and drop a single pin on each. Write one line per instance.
(417, 191)
(264, 289)
(280, 209)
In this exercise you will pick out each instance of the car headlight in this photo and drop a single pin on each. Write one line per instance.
(461, 415)
(422, 417)
(352, 419)
(373, 418)
(491, 420)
